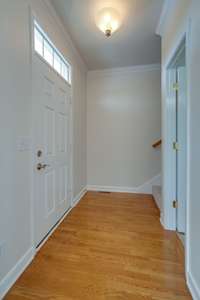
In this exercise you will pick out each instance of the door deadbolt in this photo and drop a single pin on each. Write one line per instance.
(39, 153)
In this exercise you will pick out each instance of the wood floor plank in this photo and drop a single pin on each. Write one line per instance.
(111, 246)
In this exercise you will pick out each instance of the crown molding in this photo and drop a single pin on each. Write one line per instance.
(67, 36)
(164, 12)
(124, 70)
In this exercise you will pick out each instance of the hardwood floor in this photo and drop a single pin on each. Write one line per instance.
(111, 246)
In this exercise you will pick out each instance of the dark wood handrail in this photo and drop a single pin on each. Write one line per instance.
(157, 144)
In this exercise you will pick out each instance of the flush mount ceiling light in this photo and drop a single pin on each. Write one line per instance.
(108, 21)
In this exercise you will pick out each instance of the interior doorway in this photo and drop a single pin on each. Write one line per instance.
(178, 136)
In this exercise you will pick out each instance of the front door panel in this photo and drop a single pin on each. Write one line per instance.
(51, 129)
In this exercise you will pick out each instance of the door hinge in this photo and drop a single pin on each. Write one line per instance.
(175, 204)
(175, 86)
(175, 146)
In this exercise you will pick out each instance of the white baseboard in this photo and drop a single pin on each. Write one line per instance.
(145, 188)
(15, 272)
(161, 221)
(23, 263)
(74, 203)
(53, 229)
(164, 225)
(78, 197)
(117, 189)
(193, 287)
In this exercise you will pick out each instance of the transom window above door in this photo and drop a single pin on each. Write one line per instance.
(46, 49)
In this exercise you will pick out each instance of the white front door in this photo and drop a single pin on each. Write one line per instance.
(51, 130)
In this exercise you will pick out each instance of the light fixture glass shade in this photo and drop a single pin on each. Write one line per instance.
(108, 21)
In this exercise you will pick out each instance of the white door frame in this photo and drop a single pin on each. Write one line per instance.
(32, 17)
(169, 213)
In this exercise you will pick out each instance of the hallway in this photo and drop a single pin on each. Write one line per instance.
(111, 246)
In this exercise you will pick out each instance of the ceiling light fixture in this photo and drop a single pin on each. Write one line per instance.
(108, 21)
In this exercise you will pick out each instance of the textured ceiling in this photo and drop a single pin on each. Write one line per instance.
(135, 43)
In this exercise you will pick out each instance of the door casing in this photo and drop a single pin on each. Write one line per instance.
(168, 216)
(170, 155)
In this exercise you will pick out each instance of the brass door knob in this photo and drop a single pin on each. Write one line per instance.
(41, 166)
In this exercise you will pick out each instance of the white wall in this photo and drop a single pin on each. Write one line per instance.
(123, 120)
(15, 87)
(14, 122)
(175, 23)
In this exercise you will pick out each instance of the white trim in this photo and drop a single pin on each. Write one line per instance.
(54, 70)
(161, 220)
(191, 282)
(23, 262)
(75, 202)
(193, 287)
(157, 195)
(188, 57)
(169, 217)
(176, 47)
(115, 189)
(145, 188)
(164, 225)
(160, 25)
(15, 272)
(124, 70)
(32, 214)
(54, 49)
(71, 146)
(53, 229)
(186, 33)
(78, 197)
(168, 154)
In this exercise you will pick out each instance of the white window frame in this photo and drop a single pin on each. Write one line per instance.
(63, 61)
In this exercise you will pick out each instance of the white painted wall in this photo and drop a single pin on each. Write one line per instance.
(123, 120)
(15, 122)
(15, 236)
(175, 22)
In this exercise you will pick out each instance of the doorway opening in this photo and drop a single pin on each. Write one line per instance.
(177, 85)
